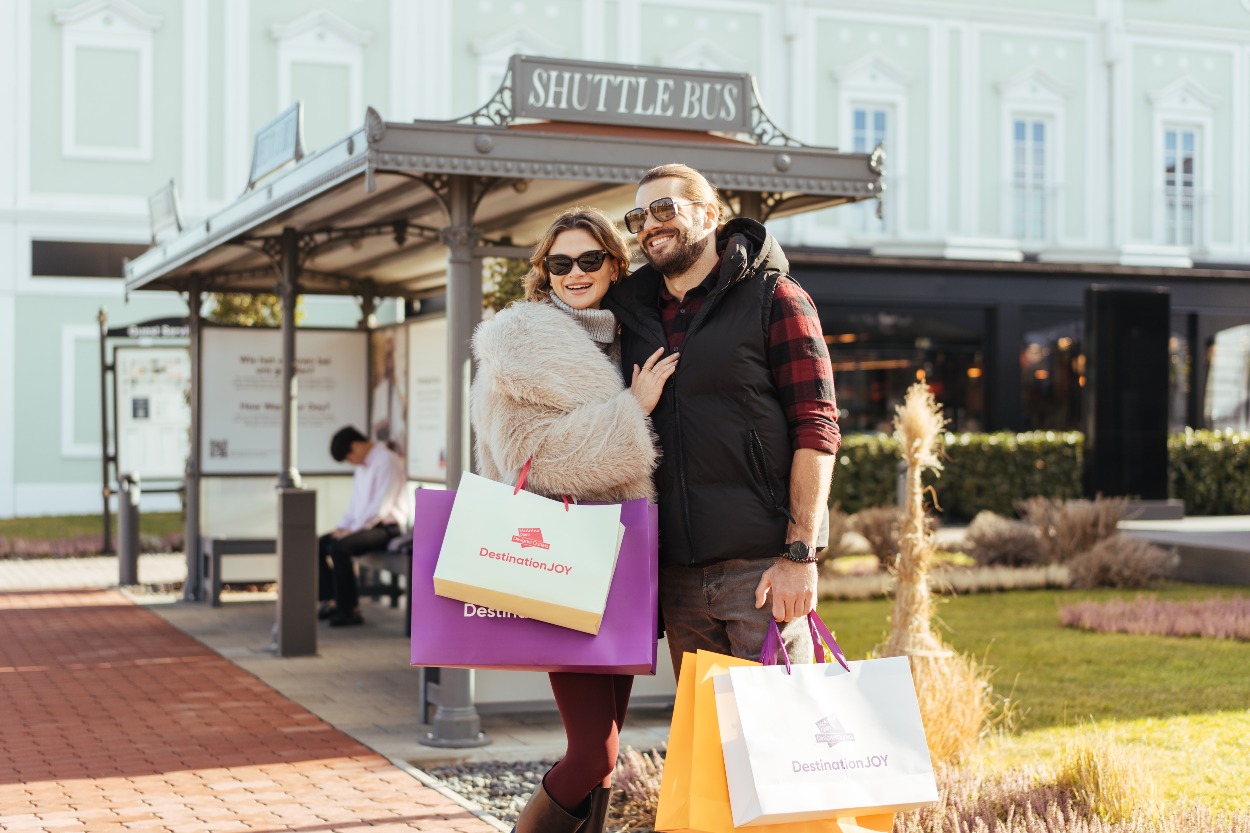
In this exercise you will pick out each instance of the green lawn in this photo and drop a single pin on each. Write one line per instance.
(1182, 705)
(72, 526)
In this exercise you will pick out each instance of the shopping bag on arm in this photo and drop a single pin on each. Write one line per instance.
(810, 742)
(455, 634)
(694, 795)
(515, 551)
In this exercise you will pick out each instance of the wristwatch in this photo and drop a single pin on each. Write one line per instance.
(799, 552)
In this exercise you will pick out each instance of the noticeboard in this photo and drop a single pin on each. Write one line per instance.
(427, 400)
(151, 386)
(241, 392)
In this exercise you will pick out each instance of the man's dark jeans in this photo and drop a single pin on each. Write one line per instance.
(338, 573)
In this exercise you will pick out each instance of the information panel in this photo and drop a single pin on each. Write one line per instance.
(153, 411)
(241, 391)
(427, 400)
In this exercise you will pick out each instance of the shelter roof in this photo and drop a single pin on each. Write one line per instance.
(372, 209)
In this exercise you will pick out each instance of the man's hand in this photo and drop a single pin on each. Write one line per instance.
(340, 533)
(793, 587)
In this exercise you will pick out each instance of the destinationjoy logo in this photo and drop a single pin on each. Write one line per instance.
(831, 731)
(530, 536)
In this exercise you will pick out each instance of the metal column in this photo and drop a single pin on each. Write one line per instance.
(193, 588)
(296, 624)
(105, 456)
(456, 722)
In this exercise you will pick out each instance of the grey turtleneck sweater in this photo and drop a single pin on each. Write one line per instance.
(599, 324)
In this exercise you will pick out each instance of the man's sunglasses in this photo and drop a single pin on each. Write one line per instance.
(563, 264)
(663, 210)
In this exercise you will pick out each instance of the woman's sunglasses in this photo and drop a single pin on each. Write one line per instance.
(563, 264)
(663, 210)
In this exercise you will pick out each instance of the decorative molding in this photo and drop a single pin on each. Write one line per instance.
(876, 71)
(316, 26)
(1184, 94)
(519, 40)
(112, 25)
(323, 38)
(94, 12)
(1033, 84)
(704, 54)
(494, 52)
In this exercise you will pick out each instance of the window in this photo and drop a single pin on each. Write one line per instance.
(1030, 138)
(870, 126)
(1179, 176)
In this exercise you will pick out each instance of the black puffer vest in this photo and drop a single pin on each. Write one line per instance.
(724, 474)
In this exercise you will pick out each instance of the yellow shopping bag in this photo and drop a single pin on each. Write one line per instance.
(694, 793)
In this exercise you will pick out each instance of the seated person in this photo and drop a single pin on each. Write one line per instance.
(380, 509)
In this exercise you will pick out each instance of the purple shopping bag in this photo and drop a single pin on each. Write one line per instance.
(454, 634)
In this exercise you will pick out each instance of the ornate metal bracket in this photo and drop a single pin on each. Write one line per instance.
(497, 111)
(763, 129)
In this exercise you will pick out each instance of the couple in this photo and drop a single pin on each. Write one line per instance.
(727, 368)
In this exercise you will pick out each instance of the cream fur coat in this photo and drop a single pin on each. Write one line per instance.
(545, 390)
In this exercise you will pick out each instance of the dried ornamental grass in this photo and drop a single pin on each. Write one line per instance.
(1070, 527)
(994, 540)
(1220, 618)
(1122, 561)
(879, 525)
(636, 789)
(1105, 778)
(956, 704)
(918, 425)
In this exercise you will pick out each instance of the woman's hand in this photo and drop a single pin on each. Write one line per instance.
(648, 381)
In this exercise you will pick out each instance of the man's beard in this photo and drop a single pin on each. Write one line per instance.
(682, 253)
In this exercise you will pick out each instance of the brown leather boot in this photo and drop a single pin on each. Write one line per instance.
(542, 815)
(597, 818)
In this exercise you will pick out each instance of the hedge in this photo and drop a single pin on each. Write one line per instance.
(1209, 470)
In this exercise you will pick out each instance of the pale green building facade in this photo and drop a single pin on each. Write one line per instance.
(1095, 131)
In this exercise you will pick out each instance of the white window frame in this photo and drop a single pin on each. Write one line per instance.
(109, 25)
(1020, 225)
(1184, 105)
(873, 82)
(1033, 95)
(322, 38)
(494, 52)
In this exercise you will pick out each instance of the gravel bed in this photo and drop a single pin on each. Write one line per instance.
(501, 788)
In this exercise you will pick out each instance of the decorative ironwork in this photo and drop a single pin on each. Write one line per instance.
(375, 126)
(763, 129)
(876, 162)
(453, 236)
(498, 110)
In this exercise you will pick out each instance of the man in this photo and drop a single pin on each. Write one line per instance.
(380, 509)
(747, 423)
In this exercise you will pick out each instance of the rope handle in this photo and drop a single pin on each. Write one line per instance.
(520, 482)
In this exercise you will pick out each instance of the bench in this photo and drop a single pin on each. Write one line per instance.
(229, 560)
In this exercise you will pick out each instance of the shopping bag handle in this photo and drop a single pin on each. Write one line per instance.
(821, 636)
(520, 481)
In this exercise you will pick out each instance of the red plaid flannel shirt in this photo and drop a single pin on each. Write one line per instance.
(797, 356)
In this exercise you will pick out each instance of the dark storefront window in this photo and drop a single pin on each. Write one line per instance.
(878, 355)
(1052, 371)
(1180, 375)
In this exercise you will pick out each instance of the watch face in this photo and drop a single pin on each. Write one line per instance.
(798, 549)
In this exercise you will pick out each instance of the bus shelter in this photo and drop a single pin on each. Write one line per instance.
(408, 210)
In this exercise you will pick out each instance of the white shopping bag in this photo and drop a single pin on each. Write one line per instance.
(525, 554)
(820, 742)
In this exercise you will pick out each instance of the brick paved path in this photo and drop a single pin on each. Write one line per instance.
(111, 720)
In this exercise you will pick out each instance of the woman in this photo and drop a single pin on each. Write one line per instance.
(549, 390)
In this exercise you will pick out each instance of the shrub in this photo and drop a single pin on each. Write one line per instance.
(1210, 471)
(1121, 561)
(1220, 618)
(1070, 527)
(879, 525)
(994, 540)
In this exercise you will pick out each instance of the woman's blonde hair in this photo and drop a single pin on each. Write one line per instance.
(537, 282)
